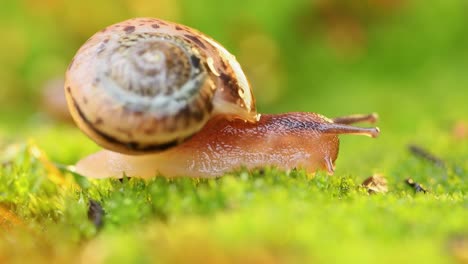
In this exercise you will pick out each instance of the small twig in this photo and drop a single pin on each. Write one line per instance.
(425, 154)
(64, 167)
(416, 186)
(96, 213)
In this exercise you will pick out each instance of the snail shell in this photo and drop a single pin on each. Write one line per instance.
(145, 85)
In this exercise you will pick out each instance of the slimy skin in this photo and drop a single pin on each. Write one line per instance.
(293, 140)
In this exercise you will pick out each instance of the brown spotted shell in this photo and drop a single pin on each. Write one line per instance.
(145, 85)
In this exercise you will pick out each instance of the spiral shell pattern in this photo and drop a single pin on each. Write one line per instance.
(145, 85)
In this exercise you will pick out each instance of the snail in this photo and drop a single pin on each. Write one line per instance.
(165, 99)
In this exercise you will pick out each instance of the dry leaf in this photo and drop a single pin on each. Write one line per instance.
(376, 184)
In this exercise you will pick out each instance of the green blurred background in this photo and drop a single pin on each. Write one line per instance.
(405, 59)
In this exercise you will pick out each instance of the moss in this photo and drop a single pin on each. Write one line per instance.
(266, 215)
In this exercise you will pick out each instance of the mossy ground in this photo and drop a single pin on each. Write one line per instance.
(265, 215)
(408, 63)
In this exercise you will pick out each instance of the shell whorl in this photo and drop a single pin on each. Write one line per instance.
(150, 66)
(155, 73)
(145, 85)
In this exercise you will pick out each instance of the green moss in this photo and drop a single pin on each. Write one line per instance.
(266, 214)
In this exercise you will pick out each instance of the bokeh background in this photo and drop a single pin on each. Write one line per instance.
(404, 59)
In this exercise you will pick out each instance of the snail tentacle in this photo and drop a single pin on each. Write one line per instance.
(351, 119)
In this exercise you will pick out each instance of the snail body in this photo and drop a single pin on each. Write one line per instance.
(293, 140)
(165, 99)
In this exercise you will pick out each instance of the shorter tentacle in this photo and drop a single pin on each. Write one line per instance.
(351, 119)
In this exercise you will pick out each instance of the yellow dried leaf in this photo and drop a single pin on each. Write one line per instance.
(376, 184)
